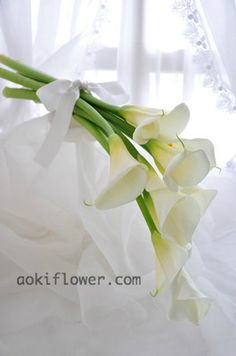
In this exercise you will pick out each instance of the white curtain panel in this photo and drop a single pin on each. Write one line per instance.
(183, 50)
(57, 36)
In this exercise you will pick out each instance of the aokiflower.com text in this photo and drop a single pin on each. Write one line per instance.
(62, 278)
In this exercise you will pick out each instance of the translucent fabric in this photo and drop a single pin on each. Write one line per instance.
(48, 226)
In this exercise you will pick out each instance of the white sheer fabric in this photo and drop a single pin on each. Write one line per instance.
(117, 40)
(46, 226)
(51, 35)
(197, 68)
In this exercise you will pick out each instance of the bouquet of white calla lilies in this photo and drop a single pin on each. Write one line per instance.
(165, 188)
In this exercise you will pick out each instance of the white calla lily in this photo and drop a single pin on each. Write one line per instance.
(127, 178)
(164, 127)
(146, 130)
(202, 196)
(187, 301)
(202, 144)
(173, 123)
(135, 114)
(177, 214)
(186, 169)
(164, 153)
(170, 258)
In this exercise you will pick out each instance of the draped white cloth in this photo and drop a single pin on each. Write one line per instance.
(46, 226)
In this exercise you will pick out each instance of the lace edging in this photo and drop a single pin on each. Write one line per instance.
(203, 54)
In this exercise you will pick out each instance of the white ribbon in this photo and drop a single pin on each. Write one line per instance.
(60, 96)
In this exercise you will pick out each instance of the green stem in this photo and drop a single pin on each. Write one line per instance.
(82, 107)
(26, 70)
(20, 79)
(126, 128)
(16, 93)
(97, 102)
(95, 117)
(37, 75)
(146, 214)
(94, 131)
(31, 95)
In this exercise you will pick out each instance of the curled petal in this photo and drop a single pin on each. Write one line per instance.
(163, 153)
(202, 196)
(186, 169)
(165, 128)
(173, 123)
(202, 144)
(127, 180)
(137, 114)
(187, 301)
(146, 130)
(170, 258)
(154, 182)
(178, 215)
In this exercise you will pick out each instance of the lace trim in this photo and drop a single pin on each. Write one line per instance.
(203, 54)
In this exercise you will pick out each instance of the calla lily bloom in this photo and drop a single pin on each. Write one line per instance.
(146, 130)
(170, 258)
(186, 169)
(178, 214)
(127, 179)
(183, 166)
(155, 124)
(163, 152)
(136, 114)
(187, 301)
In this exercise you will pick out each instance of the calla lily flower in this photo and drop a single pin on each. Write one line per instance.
(183, 166)
(146, 130)
(135, 114)
(187, 301)
(178, 214)
(170, 258)
(127, 179)
(186, 169)
(154, 124)
(202, 144)
(163, 152)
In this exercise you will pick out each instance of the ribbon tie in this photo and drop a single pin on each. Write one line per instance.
(60, 96)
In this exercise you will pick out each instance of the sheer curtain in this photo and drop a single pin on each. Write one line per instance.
(183, 50)
(163, 52)
(57, 36)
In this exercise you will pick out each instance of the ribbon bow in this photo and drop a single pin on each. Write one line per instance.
(60, 96)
